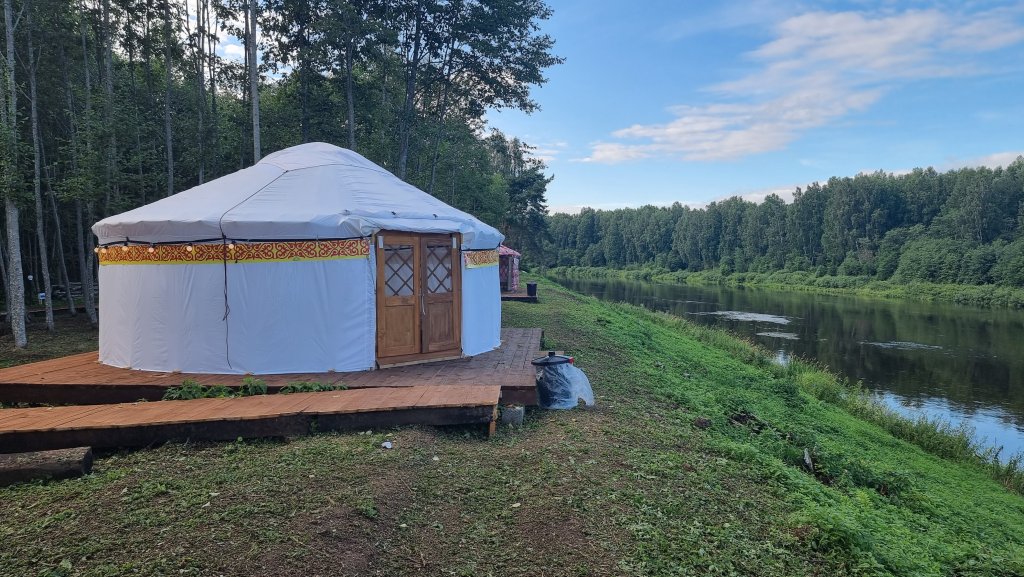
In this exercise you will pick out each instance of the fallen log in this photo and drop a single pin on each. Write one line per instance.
(58, 464)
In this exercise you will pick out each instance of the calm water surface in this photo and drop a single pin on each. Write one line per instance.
(954, 362)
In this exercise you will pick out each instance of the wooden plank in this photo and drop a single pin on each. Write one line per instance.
(32, 370)
(45, 418)
(133, 424)
(461, 396)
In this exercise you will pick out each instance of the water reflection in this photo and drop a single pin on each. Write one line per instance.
(954, 362)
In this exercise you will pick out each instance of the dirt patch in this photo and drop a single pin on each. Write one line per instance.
(337, 542)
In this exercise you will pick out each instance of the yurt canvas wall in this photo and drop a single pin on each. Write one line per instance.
(274, 269)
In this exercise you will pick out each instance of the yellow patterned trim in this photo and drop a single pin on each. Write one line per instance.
(481, 258)
(291, 251)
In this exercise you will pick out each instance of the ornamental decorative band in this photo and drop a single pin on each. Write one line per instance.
(481, 258)
(288, 251)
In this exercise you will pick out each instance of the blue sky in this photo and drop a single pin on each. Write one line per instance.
(661, 101)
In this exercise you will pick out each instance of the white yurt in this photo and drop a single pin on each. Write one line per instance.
(313, 260)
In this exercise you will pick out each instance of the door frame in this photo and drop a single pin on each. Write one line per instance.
(420, 295)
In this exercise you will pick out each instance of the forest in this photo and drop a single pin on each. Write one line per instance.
(106, 105)
(964, 226)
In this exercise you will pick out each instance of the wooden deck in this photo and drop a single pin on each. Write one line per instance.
(81, 379)
(142, 424)
(519, 296)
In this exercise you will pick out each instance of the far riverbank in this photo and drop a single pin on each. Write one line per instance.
(987, 296)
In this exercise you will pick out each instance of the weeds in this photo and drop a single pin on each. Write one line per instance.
(955, 442)
(191, 389)
(252, 386)
(310, 387)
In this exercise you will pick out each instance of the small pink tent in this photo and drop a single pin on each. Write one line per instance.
(508, 269)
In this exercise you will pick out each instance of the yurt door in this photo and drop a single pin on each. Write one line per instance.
(418, 298)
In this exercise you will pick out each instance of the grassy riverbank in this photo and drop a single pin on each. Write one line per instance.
(989, 296)
(693, 463)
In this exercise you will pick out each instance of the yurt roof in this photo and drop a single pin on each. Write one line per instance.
(310, 191)
(506, 251)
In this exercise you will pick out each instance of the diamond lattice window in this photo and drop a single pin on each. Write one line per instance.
(439, 269)
(398, 270)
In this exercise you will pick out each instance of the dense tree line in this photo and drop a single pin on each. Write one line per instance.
(110, 104)
(964, 226)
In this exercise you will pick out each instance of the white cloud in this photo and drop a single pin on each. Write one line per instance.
(725, 16)
(576, 208)
(819, 68)
(758, 196)
(611, 153)
(548, 152)
(234, 51)
(993, 160)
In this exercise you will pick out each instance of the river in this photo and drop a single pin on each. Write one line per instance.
(961, 364)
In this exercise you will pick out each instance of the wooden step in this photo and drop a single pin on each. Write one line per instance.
(145, 423)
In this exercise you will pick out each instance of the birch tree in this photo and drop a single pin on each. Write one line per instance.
(15, 278)
(254, 88)
(44, 259)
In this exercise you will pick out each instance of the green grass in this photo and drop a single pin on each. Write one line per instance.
(878, 502)
(632, 487)
(987, 296)
(73, 335)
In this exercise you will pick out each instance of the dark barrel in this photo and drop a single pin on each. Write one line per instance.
(551, 386)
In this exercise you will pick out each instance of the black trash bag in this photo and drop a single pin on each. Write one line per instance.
(562, 386)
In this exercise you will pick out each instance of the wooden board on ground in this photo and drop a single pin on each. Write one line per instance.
(145, 423)
(81, 379)
(57, 464)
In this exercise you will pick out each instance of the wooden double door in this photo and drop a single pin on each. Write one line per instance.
(419, 296)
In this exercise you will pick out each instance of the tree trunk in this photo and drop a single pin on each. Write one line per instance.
(214, 128)
(85, 267)
(72, 309)
(199, 54)
(168, 136)
(147, 58)
(3, 274)
(16, 282)
(254, 90)
(349, 92)
(304, 102)
(108, 109)
(37, 178)
(84, 259)
(73, 137)
(438, 137)
(15, 278)
(137, 122)
(405, 124)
